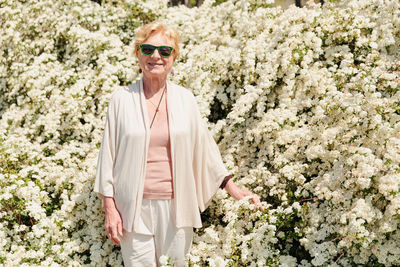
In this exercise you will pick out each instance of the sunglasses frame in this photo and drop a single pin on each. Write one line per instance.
(154, 49)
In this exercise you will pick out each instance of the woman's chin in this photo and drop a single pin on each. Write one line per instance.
(156, 72)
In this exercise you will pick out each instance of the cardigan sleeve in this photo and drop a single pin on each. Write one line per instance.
(105, 164)
(208, 167)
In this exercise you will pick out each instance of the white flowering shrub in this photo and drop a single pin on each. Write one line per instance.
(304, 104)
(60, 61)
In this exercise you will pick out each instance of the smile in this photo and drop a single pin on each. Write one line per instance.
(155, 64)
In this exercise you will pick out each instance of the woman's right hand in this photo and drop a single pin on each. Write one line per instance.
(113, 221)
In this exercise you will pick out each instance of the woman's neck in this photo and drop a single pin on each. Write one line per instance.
(152, 86)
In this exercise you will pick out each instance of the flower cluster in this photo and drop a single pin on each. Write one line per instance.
(304, 105)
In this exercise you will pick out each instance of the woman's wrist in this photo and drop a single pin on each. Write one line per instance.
(233, 190)
(108, 203)
(230, 186)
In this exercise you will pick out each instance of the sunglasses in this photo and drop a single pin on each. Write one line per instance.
(163, 50)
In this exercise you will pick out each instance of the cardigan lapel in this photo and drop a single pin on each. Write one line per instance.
(171, 122)
(170, 107)
(143, 107)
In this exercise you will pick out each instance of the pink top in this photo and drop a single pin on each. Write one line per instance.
(158, 181)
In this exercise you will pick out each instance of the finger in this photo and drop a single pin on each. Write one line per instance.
(111, 232)
(108, 232)
(119, 228)
(260, 206)
(114, 237)
(257, 203)
(116, 241)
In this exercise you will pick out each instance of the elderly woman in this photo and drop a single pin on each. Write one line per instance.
(158, 165)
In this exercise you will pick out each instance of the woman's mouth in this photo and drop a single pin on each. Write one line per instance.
(154, 64)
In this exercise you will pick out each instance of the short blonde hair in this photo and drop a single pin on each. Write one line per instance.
(154, 27)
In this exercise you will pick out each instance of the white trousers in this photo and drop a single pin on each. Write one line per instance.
(156, 236)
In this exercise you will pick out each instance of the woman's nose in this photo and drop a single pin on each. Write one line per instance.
(155, 54)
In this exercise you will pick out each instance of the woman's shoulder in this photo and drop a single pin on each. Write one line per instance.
(182, 91)
(123, 92)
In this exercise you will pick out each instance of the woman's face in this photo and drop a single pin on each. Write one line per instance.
(156, 66)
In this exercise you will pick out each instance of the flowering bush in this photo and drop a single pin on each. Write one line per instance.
(304, 104)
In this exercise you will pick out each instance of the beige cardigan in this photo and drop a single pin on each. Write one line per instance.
(197, 167)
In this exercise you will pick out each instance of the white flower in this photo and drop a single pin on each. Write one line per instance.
(165, 260)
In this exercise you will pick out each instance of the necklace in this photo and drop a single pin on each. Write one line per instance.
(157, 107)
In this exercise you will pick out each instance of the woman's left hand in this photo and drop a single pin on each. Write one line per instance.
(238, 193)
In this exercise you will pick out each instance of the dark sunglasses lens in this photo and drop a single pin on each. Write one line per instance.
(148, 49)
(165, 51)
